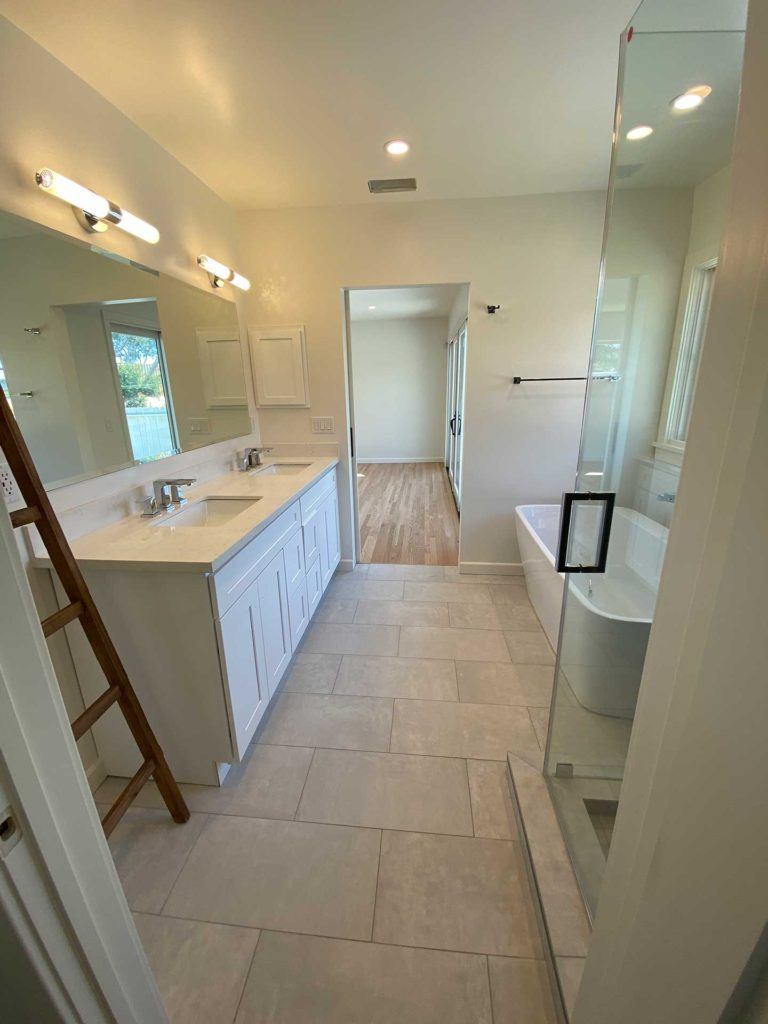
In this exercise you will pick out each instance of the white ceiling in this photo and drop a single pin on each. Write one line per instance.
(417, 302)
(688, 147)
(289, 102)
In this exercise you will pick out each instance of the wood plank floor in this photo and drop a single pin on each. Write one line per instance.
(407, 514)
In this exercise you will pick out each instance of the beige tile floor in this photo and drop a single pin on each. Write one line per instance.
(362, 863)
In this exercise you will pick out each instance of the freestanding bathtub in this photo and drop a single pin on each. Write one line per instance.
(609, 615)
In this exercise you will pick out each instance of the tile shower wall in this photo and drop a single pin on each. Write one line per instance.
(655, 478)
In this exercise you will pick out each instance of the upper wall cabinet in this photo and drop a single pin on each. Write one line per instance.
(221, 362)
(279, 365)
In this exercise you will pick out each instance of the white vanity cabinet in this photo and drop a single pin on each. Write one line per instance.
(207, 651)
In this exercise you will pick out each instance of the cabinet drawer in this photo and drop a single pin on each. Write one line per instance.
(314, 585)
(298, 612)
(314, 496)
(294, 559)
(236, 576)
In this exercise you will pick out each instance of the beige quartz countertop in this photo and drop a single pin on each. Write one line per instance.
(143, 543)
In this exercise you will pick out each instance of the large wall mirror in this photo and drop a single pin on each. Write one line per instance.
(108, 364)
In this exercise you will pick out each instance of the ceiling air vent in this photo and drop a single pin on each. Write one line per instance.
(378, 185)
(627, 170)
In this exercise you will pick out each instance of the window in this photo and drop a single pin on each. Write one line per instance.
(4, 384)
(143, 382)
(685, 361)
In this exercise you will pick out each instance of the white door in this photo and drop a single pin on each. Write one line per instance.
(456, 376)
(244, 665)
(275, 621)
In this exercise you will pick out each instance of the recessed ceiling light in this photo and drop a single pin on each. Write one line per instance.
(371, 307)
(397, 147)
(692, 97)
(640, 131)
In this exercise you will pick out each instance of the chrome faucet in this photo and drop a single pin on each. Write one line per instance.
(251, 457)
(177, 495)
(166, 494)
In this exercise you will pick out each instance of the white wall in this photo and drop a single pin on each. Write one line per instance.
(50, 117)
(398, 373)
(648, 243)
(537, 256)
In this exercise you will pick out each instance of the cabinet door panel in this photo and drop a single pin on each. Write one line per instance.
(298, 612)
(275, 627)
(332, 543)
(244, 667)
(294, 560)
(312, 529)
(314, 585)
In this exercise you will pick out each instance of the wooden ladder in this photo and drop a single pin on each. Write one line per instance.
(39, 511)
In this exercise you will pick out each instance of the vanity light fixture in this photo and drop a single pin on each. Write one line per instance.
(691, 98)
(94, 212)
(640, 131)
(396, 147)
(220, 274)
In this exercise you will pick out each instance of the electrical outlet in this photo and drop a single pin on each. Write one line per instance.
(8, 488)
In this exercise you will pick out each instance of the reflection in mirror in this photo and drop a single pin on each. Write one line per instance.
(107, 364)
(666, 218)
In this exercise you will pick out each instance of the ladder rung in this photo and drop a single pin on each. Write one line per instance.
(120, 806)
(25, 516)
(62, 617)
(94, 711)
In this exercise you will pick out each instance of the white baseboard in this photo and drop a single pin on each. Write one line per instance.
(420, 458)
(491, 568)
(345, 565)
(95, 774)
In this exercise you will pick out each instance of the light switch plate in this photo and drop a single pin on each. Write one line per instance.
(322, 425)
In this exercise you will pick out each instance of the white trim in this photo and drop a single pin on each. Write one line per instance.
(345, 565)
(491, 568)
(418, 458)
(694, 281)
(93, 948)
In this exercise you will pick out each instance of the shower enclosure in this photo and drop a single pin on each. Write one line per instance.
(675, 116)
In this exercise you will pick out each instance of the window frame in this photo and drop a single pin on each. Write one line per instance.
(139, 326)
(688, 340)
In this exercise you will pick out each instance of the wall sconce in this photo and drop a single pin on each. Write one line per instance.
(92, 211)
(220, 274)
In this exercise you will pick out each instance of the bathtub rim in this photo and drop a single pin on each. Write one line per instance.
(550, 556)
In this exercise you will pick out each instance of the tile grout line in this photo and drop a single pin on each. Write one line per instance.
(306, 779)
(376, 887)
(248, 974)
(469, 797)
(366, 942)
(185, 862)
(336, 677)
(490, 985)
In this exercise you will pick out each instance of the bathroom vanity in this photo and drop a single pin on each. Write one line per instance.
(206, 604)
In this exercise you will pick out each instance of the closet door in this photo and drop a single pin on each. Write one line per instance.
(461, 357)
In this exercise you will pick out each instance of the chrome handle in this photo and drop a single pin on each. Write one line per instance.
(149, 506)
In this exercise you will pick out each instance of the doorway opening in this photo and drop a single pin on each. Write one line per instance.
(406, 351)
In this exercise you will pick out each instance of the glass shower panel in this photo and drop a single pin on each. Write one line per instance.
(666, 213)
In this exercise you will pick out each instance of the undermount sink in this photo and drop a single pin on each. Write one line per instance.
(282, 468)
(209, 512)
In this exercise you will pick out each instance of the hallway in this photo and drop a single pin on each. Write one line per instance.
(407, 514)
(363, 863)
